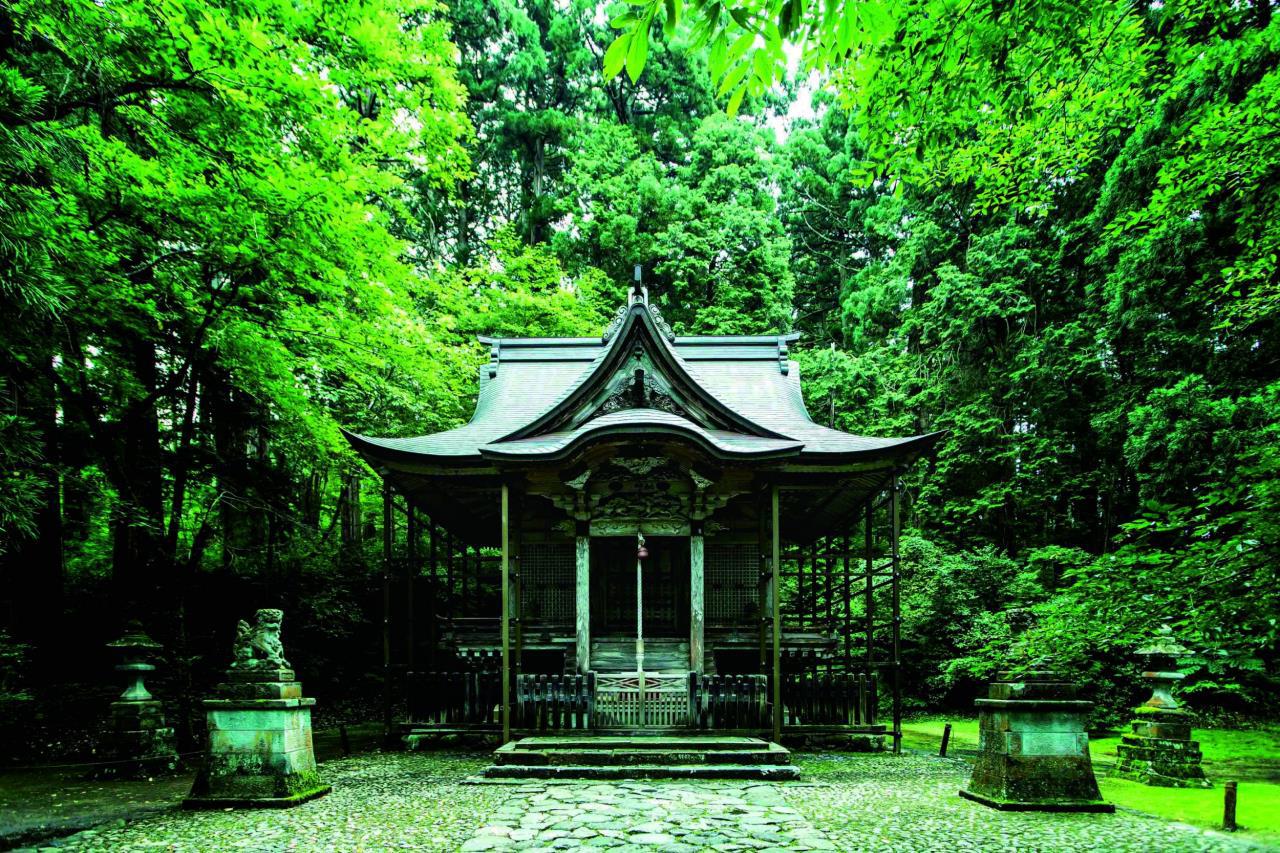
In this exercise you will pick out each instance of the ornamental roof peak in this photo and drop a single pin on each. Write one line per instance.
(638, 295)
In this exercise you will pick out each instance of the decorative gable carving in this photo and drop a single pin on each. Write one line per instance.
(643, 392)
(664, 328)
(639, 369)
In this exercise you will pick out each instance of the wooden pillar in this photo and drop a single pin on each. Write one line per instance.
(411, 579)
(463, 571)
(763, 585)
(516, 544)
(388, 538)
(506, 614)
(895, 525)
(433, 630)
(828, 583)
(697, 597)
(846, 617)
(454, 611)
(869, 594)
(582, 597)
(776, 560)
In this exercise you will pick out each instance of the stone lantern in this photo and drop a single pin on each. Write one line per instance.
(141, 742)
(1159, 749)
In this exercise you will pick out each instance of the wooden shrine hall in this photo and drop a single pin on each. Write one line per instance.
(642, 532)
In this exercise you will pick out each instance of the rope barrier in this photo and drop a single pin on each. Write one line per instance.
(95, 763)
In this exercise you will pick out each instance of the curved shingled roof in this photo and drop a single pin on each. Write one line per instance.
(735, 396)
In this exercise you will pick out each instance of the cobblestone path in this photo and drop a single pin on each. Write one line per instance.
(419, 801)
(853, 803)
(674, 817)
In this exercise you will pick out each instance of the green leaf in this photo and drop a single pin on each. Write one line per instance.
(616, 55)
(672, 19)
(718, 57)
(735, 100)
(637, 53)
(763, 69)
(733, 78)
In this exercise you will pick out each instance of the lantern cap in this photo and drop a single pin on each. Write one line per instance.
(1163, 645)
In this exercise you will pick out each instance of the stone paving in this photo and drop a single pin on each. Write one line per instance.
(855, 803)
(667, 816)
(417, 801)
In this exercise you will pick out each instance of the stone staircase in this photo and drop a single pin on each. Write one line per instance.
(660, 655)
(642, 757)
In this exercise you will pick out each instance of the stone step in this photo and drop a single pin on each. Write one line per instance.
(666, 742)
(770, 754)
(769, 772)
(642, 757)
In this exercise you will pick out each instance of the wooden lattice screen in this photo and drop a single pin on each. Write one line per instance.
(547, 572)
(732, 583)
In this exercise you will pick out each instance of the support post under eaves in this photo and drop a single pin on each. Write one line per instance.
(506, 614)
(388, 538)
(776, 600)
(895, 526)
(411, 579)
(869, 589)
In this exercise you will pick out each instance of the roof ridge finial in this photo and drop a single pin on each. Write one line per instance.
(639, 292)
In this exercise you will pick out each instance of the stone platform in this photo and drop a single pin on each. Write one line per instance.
(642, 757)
(1159, 751)
(1033, 749)
(260, 752)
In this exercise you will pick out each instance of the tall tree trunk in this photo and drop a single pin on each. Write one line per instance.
(34, 569)
(349, 501)
(463, 253)
(138, 529)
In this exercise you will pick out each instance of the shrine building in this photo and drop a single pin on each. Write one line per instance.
(642, 532)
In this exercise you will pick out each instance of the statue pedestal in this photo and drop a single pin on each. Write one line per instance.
(1160, 751)
(260, 752)
(1033, 750)
(140, 740)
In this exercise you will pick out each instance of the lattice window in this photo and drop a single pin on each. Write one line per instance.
(547, 577)
(733, 577)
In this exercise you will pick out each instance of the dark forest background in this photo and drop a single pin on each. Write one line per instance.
(227, 229)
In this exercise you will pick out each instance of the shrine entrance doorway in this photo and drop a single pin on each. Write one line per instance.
(664, 588)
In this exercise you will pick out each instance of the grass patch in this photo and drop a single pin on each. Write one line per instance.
(1251, 756)
(925, 733)
(1243, 754)
(1257, 810)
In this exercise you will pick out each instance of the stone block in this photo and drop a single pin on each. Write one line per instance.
(260, 751)
(260, 675)
(141, 743)
(261, 690)
(1033, 743)
(1032, 690)
(268, 741)
(1033, 752)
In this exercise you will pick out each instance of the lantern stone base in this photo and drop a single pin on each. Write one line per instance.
(1160, 751)
(260, 752)
(143, 745)
(1033, 750)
